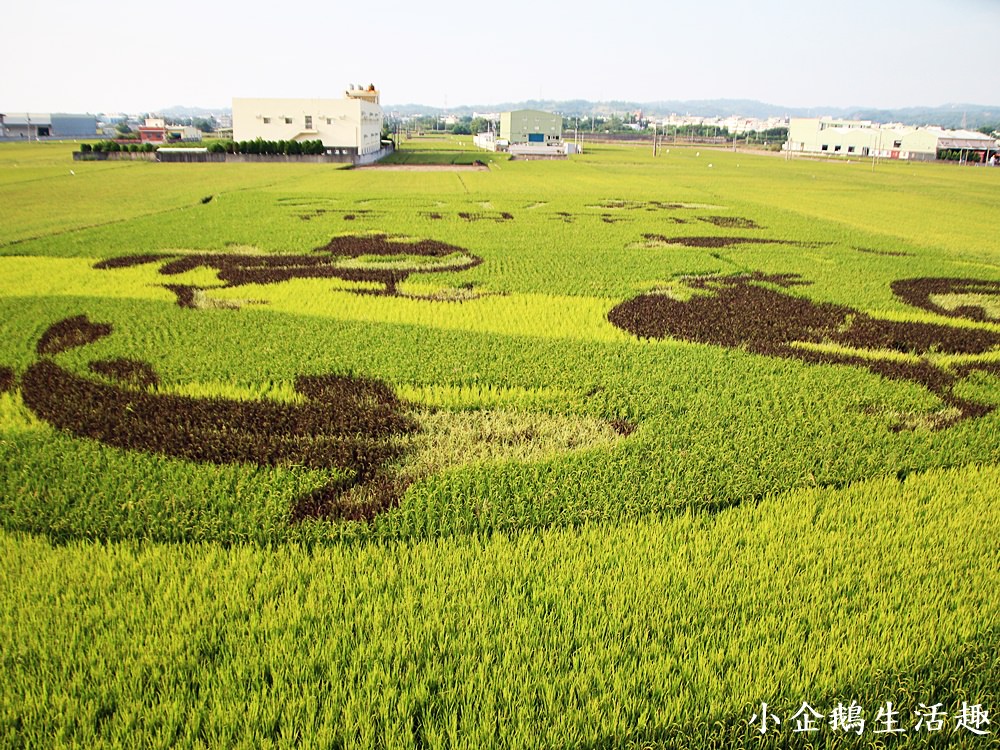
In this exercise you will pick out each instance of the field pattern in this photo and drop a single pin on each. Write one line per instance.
(603, 452)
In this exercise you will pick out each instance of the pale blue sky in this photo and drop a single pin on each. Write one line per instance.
(62, 55)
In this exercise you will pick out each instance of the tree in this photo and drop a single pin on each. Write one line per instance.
(479, 125)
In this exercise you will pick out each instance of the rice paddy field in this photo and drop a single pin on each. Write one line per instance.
(687, 451)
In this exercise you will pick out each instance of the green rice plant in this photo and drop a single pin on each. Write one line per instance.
(600, 539)
(663, 632)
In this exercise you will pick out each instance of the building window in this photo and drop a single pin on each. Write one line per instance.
(309, 122)
(897, 144)
(850, 149)
(329, 121)
(267, 120)
(836, 148)
(824, 147)
(288, 121)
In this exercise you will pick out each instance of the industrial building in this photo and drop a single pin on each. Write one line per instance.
(348, 126)
(528, 133)
(36, 125)
(531, 126)
(827, 136)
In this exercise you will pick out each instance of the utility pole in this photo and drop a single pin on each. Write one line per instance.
(877, 147)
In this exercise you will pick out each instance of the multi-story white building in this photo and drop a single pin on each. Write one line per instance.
(352, 125)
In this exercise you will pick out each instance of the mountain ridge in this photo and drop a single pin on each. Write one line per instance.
(948, 115)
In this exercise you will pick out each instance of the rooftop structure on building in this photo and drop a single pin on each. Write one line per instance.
(369, 94)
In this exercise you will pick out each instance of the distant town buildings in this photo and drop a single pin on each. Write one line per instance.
(733, 124)
(348, 126)
(823, 135)
(155, 130)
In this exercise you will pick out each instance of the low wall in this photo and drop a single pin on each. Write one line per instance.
(114, 156)
(273, 158)
(187, 157)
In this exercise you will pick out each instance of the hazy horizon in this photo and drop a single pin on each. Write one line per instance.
(899, 54)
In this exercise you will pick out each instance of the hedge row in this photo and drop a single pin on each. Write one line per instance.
(114, 146)
(257, 146)
(260, 146)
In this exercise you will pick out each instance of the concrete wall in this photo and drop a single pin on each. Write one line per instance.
(115, 156)
(197, 157)
(339, 123)
(537, 151)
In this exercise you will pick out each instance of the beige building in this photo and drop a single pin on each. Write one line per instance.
(352, 125)
(816, 135)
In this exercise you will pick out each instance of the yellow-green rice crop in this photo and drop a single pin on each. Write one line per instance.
(601, 540)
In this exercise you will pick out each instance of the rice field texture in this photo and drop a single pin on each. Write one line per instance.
(603, 452)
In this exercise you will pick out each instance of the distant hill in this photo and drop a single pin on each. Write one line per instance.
(947, 115)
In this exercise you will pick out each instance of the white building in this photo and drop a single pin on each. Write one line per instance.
(833, 137)
(352, 125)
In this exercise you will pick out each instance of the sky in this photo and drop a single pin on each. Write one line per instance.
(63, 56)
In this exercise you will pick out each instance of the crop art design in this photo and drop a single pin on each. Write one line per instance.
(652, 240)
(372, 443)
(372, 259)
(959, 298)
(746, 312)
(7, 379)
(351, 424)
